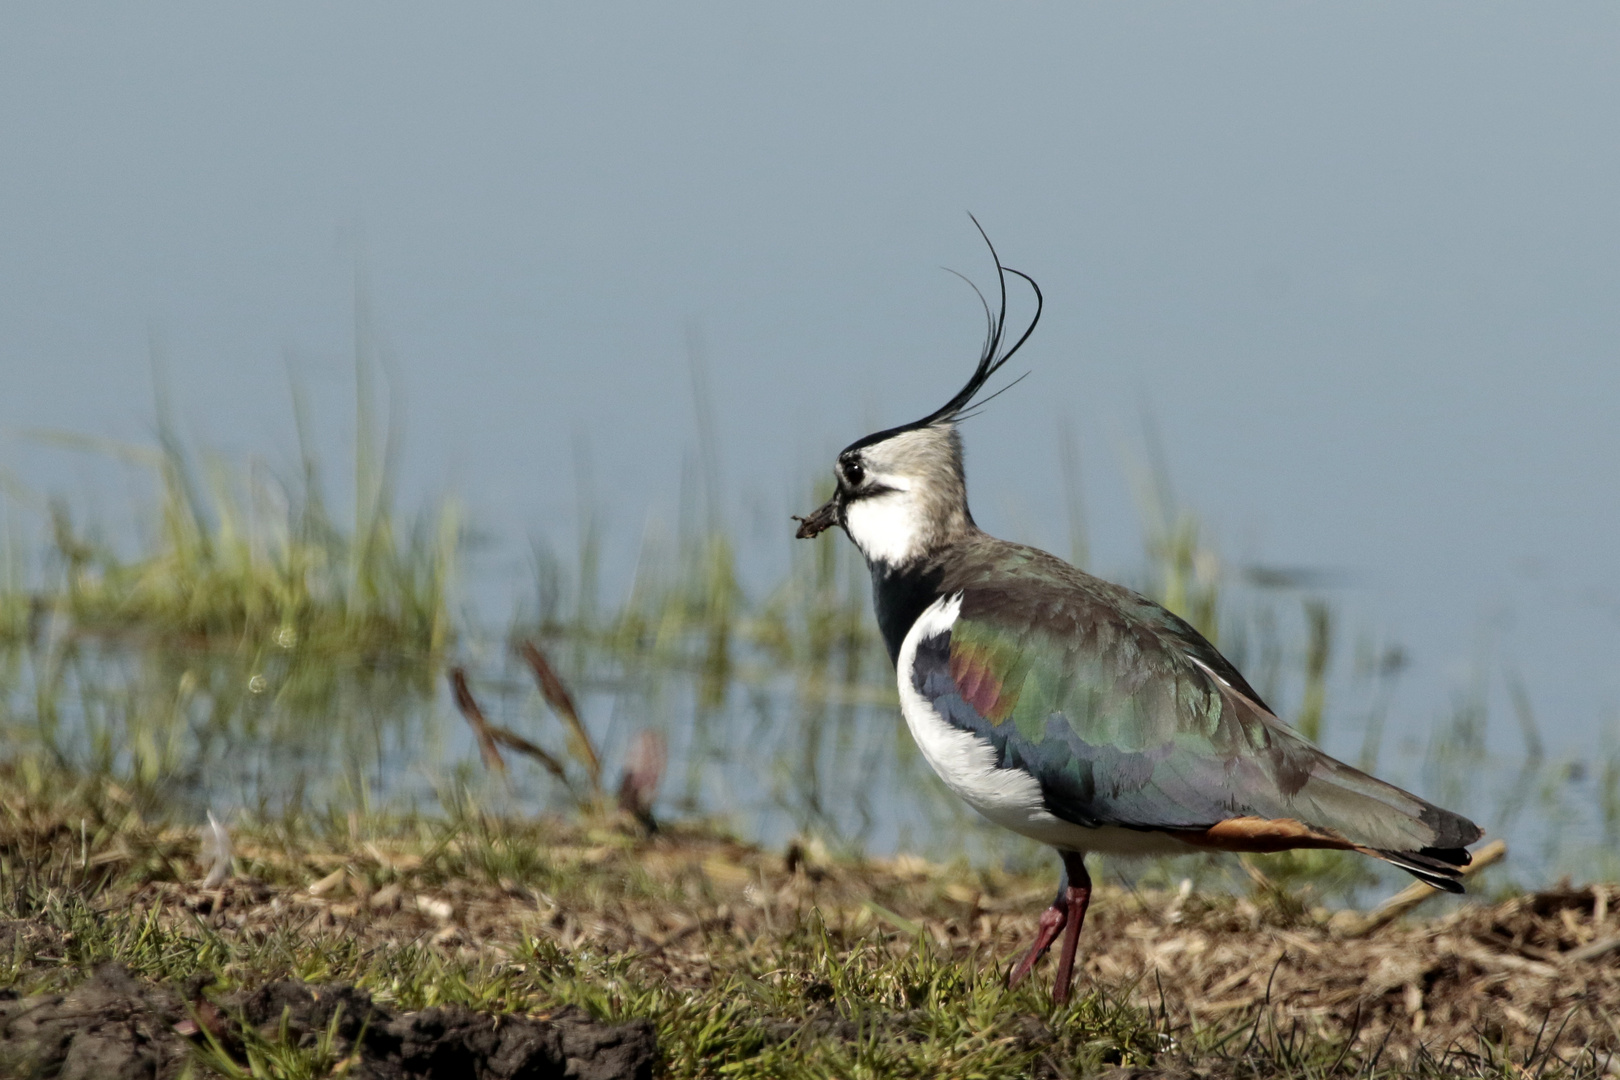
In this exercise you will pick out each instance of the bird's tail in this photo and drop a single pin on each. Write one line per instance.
(1440, 867)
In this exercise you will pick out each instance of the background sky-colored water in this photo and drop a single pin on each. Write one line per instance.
(1359, 262)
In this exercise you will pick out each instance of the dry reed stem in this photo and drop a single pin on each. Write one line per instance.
(561, 701)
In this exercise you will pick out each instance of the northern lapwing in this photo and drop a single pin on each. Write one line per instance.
(1078, 712)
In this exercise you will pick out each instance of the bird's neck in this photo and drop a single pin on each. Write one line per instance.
(903, 589)
(900, 594)
(905, 535)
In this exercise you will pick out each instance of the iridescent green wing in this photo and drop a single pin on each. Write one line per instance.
(1128, 717)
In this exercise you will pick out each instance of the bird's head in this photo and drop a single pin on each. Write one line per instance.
(900, 492)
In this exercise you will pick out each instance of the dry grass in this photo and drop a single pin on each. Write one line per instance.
(764, 963)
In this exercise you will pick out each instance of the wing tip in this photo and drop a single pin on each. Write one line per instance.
(1452, 832)
(1441, 868)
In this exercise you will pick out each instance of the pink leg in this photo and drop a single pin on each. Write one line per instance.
(1079, 897)
(1055, 918)
(1052, 920)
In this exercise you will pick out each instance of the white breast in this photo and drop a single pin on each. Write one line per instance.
(967, 763)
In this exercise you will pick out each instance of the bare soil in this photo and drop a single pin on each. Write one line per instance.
(113, 1026)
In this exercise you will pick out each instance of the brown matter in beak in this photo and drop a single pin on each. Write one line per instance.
(818, 522)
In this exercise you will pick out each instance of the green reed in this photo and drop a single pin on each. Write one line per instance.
(247, 625)
(234, 557)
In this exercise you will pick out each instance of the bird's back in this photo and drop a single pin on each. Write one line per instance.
(1129, 718)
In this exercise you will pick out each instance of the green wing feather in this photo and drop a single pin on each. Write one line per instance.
(1128, 716)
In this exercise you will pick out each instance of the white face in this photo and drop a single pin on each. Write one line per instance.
(887, 527)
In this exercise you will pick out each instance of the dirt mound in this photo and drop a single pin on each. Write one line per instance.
(115, 1027)
(450, 1040)
(110, 1027)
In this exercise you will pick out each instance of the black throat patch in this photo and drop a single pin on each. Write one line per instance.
(901, 594)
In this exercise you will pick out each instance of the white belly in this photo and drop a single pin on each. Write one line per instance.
(967, 763)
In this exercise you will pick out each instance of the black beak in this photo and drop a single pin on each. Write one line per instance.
(818, 522)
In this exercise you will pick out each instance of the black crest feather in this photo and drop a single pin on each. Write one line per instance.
(992, 357)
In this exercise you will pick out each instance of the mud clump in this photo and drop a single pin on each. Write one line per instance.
(115, 1027)
(451, 1040)
(110, 1027)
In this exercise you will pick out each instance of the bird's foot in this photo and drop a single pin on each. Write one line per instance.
(1066, 915)
(1051, 924)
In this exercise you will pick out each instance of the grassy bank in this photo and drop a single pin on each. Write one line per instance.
(756, 963)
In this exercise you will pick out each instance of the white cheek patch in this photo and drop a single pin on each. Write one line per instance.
(885, 527)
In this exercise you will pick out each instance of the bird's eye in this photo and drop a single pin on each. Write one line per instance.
(854, 473)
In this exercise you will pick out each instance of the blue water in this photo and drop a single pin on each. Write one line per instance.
(775, 756)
